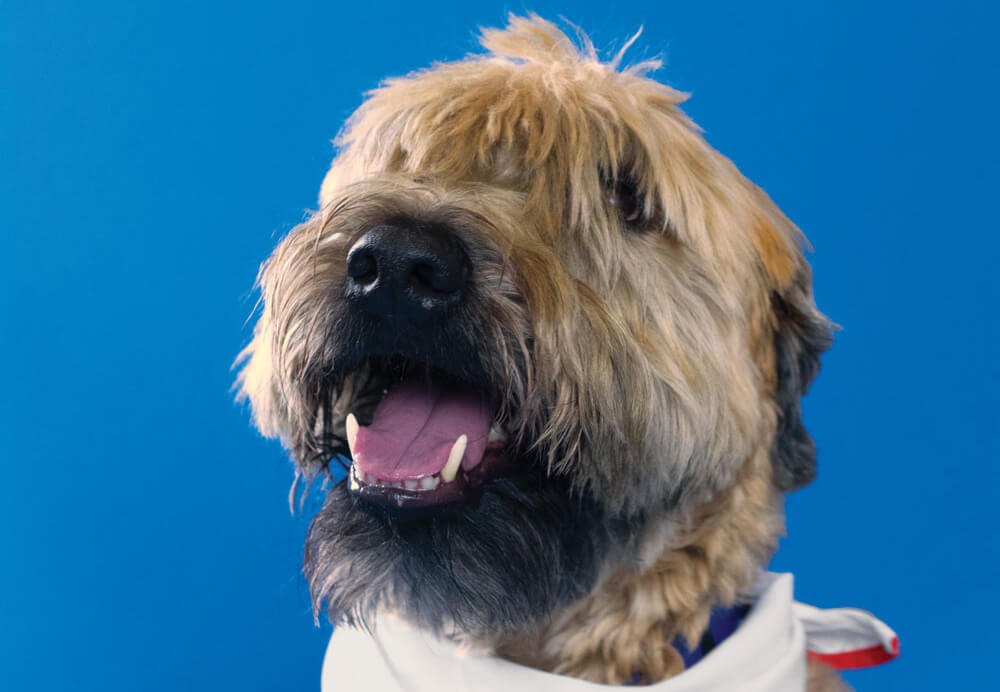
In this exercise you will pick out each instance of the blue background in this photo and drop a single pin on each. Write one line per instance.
(151, 155)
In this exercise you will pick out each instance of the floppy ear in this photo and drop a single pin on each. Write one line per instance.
(801, 334)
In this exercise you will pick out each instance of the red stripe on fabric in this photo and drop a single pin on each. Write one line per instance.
(859, 658)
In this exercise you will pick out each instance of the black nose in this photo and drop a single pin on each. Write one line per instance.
(406, 270)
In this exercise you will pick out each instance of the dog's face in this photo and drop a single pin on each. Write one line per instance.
(543, 318)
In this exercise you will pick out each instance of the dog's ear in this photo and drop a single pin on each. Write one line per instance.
(800, 332)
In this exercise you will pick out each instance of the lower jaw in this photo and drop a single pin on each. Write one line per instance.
(465, 488)
(522, 547)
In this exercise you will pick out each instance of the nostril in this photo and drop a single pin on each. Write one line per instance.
(422, 276)
(439, 279)
(362, 266)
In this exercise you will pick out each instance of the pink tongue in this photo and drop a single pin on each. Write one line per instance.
(415, 426)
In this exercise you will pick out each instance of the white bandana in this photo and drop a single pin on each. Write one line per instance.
(766, 653)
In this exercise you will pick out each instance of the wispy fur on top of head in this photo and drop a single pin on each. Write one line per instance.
(542, 114)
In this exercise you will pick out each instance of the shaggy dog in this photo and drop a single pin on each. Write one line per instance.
(563, 342)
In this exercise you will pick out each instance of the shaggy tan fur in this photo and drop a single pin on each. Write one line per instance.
(627, 625)
(651, 361)
(823, 678)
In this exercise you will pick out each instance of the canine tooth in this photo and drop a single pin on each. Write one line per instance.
(411, 483)
(429, 482)
(496, 433)
(352, 431)
(370, 479)
(450, 469)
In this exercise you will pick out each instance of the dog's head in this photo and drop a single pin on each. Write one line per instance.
(543, 317)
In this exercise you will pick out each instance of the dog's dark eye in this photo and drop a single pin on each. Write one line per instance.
(623, 195)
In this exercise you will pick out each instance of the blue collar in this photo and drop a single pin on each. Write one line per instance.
(722, 623)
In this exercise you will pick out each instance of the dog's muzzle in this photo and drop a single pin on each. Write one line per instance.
(433, 437)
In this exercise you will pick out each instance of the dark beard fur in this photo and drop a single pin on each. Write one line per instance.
(528, 546)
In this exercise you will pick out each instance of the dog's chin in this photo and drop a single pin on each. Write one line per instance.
(500, 559)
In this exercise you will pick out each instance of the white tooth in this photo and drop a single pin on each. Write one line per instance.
(450, 469)
(397, 484)
(428, 482)
(372, 480)
(496, 433)
(352, 431)
(411, 483)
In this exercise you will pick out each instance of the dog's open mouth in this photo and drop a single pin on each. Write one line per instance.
(431, 439)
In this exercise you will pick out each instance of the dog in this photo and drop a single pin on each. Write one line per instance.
(559, 342)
